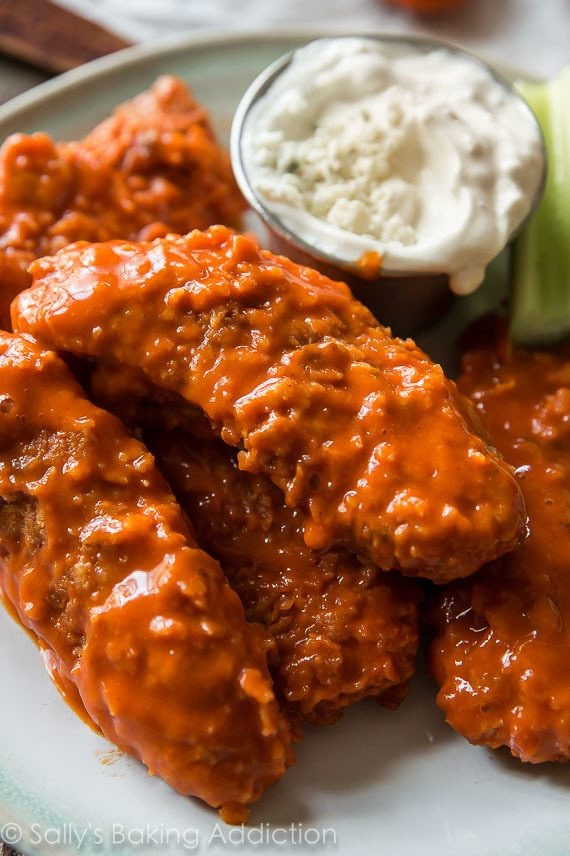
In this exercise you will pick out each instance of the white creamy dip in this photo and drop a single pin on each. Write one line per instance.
(361, 145)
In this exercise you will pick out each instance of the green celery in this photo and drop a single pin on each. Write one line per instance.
(540, 302)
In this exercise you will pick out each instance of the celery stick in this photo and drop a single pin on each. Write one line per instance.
(540, 302)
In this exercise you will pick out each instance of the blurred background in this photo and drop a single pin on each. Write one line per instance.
(530, 35)
(534, 34)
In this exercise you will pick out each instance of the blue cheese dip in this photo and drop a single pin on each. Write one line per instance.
(422, 156)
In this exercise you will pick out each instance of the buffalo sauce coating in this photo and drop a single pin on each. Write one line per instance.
(343, 629)
(153, 166)
(369, 265)
(361, 431)
(502, 644)
(98, 562)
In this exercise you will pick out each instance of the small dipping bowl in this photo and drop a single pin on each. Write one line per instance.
(406, 301)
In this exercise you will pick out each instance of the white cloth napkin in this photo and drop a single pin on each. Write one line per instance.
(533, 35)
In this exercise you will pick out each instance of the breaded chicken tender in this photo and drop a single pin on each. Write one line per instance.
(361, 431)
(154, 166)
(501, 648)
(343, 630)
(97, 560)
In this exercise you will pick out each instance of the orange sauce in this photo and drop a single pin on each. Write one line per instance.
(138, 625)
(369, 265)
(502, 640)
(361, 431)
(153, 167)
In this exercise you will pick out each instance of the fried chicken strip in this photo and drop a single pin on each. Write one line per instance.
(343, 630)
(502, 639)
(154, 166)
(361, 431)
(98, 562)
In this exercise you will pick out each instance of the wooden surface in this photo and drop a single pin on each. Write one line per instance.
(51, 38)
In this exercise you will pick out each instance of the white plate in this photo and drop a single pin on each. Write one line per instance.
(396, 784)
